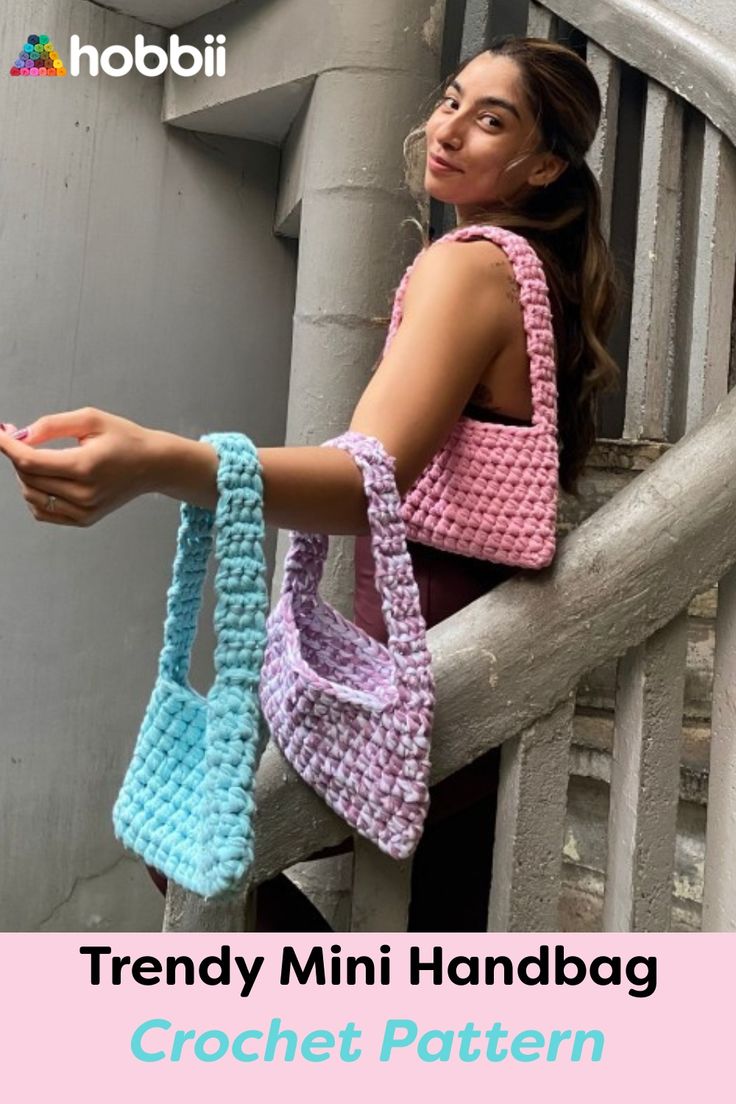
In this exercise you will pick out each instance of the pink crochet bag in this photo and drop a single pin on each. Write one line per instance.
(491, 491)
(351, 715)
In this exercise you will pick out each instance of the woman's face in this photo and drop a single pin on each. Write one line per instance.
(482, 123)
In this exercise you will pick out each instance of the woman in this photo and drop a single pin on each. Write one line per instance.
(506, 145)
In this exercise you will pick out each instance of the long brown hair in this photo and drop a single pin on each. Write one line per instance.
(563, 223)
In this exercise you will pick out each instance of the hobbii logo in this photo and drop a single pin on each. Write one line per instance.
(117, 61)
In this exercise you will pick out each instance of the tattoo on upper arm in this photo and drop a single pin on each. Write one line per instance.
(512, 290)
(511, 287)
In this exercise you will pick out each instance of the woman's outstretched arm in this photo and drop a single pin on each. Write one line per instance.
(313, 489)
(456, 317)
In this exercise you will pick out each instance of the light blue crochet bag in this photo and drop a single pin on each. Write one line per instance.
(186, 804)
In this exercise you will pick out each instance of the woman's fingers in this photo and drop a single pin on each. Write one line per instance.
(62, 463)
(76, 424)
(111, 465)
(76, 494)
(71, 463)
(63, 512)
(33, 468)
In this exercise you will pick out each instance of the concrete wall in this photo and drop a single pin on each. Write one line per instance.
(140, 274)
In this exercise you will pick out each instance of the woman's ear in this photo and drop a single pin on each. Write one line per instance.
(547, 170)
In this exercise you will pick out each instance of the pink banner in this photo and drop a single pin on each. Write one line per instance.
(145, 1017)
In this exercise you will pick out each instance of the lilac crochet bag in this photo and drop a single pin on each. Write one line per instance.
(491, 491)
(351, 715)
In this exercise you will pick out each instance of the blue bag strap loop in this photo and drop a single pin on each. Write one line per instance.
(242, 599)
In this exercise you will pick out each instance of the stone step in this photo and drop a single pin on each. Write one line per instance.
(610, 466)
(585, 853)
(592, 742)
(596, 689)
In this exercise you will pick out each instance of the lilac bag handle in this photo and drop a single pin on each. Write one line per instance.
(394, 574)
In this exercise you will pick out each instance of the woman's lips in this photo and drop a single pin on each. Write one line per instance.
(440, 166)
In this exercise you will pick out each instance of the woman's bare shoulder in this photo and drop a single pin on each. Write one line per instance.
(479, 266)
(473, 253)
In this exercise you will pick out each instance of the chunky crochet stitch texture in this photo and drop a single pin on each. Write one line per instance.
(491, 491)
(186, 803)
(351, 715)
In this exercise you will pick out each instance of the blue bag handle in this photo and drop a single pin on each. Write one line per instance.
(242, 605)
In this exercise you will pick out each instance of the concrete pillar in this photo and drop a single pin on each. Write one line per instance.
(352, 248)
(352, 252)
(376, 69)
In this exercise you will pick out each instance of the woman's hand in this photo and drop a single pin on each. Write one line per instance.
(114, 462)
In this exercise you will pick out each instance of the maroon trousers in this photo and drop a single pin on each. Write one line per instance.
(451, 871)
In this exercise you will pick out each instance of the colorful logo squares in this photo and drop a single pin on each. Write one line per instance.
(38, 58)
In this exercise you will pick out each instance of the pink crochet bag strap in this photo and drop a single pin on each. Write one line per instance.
(394, 574)
(536, 311)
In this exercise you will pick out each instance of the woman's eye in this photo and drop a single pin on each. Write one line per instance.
(492, 120)
(447, 100)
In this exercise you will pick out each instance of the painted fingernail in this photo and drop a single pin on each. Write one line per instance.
(20, 435)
